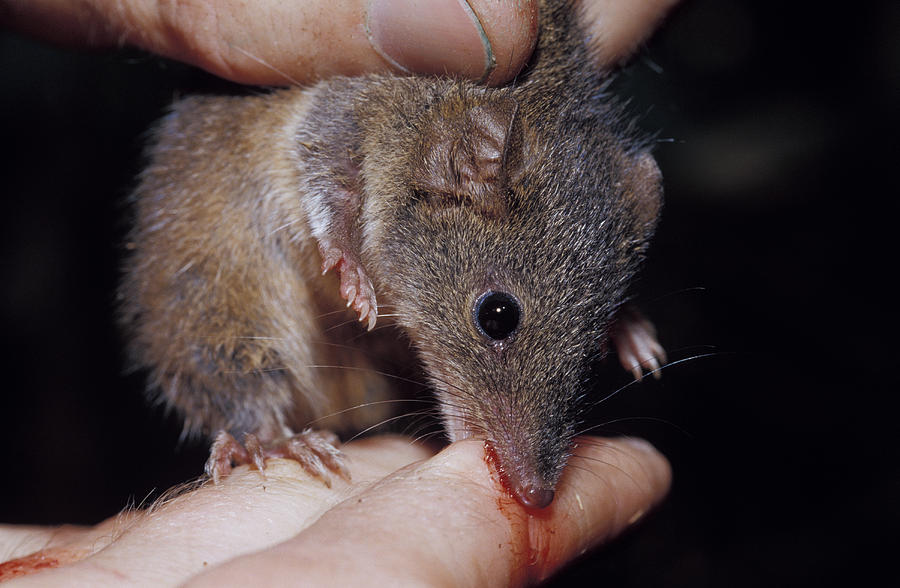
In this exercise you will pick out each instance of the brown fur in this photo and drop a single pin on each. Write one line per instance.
(442, 190)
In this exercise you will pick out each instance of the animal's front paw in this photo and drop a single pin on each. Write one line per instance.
(356, 287)
(315, 451)
(634, 338)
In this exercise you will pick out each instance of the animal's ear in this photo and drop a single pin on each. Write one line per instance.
(643, 191)
(491, 126)
(465, 155)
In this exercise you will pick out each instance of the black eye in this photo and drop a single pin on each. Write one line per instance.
(497, 314)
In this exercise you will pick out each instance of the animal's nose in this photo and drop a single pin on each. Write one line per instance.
(533, 496)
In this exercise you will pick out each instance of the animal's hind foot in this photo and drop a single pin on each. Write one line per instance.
(315, 451)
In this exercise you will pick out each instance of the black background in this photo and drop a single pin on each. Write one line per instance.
(778, 124)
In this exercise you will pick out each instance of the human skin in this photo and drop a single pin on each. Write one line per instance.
(276, 43)
(407, 517)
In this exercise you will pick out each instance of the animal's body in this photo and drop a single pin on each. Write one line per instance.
(498, 228)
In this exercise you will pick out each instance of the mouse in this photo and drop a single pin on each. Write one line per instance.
(288, 245)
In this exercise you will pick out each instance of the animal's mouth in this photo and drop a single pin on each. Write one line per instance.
(517, 476)
(530, 490)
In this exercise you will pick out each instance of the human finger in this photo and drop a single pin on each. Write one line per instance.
(446, 521)
(618, 27)
(195, 528)
(274, 42)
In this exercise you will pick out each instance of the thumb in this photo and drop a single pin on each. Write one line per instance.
(275, 42)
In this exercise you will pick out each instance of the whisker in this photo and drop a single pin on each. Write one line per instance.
(375, 426)
(589, 430)
(366, 405)
(261, 61)
(282, 227)
(331, 313)
(362, 369)
(365, 332)
(600, 461)
(339, 325)
(678, 292)
(428, 436)
(650, 373)
(422, 425)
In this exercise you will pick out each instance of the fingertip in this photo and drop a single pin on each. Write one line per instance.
(654, 466)
(630, 464)
(609, 485)
(618, 27)
(512, 28)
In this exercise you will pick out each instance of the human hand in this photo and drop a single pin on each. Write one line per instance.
(407, 517)
(274, 42)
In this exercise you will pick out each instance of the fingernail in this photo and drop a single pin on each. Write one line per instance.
(438, 37)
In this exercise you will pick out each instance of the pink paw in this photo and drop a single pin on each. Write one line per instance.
(635, 340)
(315, 451)
(226, 452)
(356, 287)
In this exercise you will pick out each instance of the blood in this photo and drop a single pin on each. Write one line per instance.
(27, 565)
(531, 532)
(497, 471)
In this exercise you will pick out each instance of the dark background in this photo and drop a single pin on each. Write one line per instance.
(778, 124)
